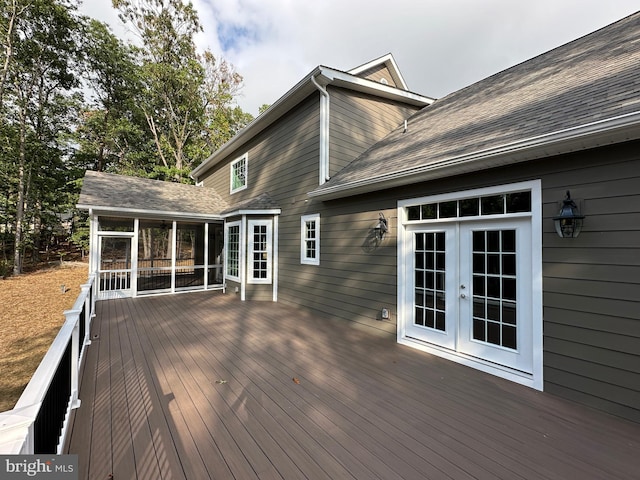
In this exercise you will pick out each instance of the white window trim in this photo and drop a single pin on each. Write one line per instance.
(250, 251)
(227, 227)
(315, 217)
(244, 158)
(535, 380)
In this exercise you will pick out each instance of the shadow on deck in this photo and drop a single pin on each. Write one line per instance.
(203, 386)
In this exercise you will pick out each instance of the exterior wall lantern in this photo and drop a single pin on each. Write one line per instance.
(382, 227)
(569, 221)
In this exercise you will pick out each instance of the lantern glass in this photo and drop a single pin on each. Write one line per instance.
(568, 223)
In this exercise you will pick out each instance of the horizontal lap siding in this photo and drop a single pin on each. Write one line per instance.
(591, 290)
(357, 122)
(591, 284)
(377, 73)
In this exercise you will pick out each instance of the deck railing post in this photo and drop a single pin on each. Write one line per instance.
(75, 354)
(88, 311)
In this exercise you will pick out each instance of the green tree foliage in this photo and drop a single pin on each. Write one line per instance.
(184, 93)
(38, 110)
(74, 97)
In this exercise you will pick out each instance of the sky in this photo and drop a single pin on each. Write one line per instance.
(440, 46)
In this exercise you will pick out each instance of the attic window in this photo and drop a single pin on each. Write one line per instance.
(238, 179)
(383, 81)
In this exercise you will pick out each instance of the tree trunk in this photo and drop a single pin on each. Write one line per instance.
(17, 247)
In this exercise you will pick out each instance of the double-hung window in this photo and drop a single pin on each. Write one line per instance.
(238, 180)
(310, 239)
(259, 255)
(232, 260)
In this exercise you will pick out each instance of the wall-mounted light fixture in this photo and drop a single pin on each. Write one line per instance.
(569, 221)
(382, 227)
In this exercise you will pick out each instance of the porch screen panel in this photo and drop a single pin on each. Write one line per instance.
(154, 255)
(115, 263)
(430, 280)
(189, 255)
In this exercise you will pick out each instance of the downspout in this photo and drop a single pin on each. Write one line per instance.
(324, 131)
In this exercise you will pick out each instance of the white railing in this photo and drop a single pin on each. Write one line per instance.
(38, 423)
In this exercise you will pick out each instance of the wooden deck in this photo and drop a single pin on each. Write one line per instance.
(200, 386)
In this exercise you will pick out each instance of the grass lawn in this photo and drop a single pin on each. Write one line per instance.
(31, 307)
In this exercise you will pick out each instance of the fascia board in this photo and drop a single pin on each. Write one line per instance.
(237, 213)
(346, 80)
(143, 213)
(604, 132)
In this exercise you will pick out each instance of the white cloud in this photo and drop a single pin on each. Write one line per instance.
(440, 45)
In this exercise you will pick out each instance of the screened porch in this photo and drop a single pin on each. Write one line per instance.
(138, 256)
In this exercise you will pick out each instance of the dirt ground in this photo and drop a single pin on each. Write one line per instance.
(31, 307)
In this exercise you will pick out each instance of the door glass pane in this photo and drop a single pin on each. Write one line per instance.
(449, 209)
(470, 207)
(493, 205)
(430, 280)
(429, 212)
(518, 202)
(495, 287)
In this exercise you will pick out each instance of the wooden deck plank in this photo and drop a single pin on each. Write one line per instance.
(122, 436)
(101, 457)
(238, 448)
(161, 438)
(275, 417)
(234, 410)
(193, 442)
(138, 409)
(364, 407)
(354, 411)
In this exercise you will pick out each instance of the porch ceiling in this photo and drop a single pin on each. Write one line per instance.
(108, 192)
(205, 386)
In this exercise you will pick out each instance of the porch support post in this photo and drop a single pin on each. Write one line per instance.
(174, 236)
(243, 258)
(274, 277)
(206, 255)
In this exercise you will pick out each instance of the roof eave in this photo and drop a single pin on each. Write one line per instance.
(237, 213)
(604, 132)
(325, 76)
(144, 213)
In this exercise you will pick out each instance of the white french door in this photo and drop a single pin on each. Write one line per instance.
(469, 285)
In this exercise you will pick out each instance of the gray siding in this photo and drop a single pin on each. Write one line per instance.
(377, 73)
(591, 285)
(357, 122)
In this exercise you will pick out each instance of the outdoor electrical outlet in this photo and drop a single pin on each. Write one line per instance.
(384, 314)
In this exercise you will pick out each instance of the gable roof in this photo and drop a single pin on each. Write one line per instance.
(387, 61)
(324, 76)
(581, 95)
(108, 192)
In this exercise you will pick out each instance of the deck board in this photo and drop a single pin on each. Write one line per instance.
(201, 385)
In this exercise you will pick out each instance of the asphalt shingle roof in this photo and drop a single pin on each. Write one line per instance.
(118, 192)
(261, 202)
(593, 78)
